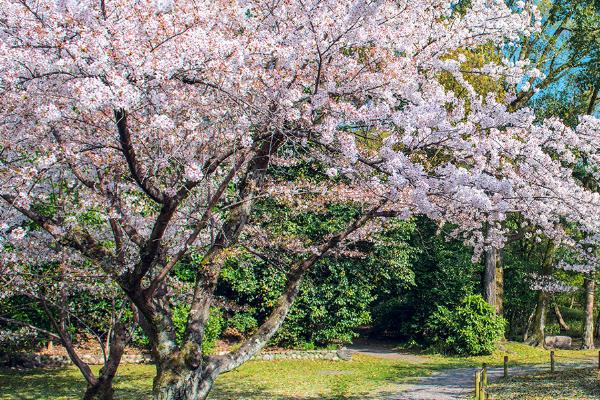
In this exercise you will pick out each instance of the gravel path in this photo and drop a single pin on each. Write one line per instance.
(448, 384)
(458, 383)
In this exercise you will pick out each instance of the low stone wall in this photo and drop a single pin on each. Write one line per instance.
(336, 355)
(27, 360)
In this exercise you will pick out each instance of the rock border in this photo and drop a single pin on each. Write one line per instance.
(28, 360)
(332, 355)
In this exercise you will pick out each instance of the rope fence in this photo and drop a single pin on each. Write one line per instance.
(481, 374)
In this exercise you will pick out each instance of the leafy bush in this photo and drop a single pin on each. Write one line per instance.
(471, 328)
(19, 339)
(333, 300)
(243, 322)
(552, 329)
(213, 329)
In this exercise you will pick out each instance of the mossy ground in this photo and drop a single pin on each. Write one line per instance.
(569, 384)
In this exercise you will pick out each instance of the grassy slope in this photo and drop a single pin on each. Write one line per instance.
(284, 380)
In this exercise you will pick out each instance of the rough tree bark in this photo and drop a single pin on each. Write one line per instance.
(588, 330)
(493, 279)
(597, 327)
(185, 376)
(489, 276)
(499, 284)
(529, 324)
(539, 321)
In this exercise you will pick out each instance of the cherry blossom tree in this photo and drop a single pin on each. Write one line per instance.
(163, 119)
(54, 289)
(43, 273)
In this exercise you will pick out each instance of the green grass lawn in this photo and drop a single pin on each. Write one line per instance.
(282, 379)
(362, 378)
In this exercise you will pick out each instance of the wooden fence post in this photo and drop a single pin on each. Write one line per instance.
(552, 361)
(478, 385)
(506, 365)
(484, 374)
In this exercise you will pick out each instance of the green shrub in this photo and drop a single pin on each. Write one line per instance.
(244, 323)
(443, 273)
(307, 346)
(213, 329)
(470, 328)
(552, 329)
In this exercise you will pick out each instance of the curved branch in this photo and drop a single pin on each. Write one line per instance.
(81, 240)
(130, 156)
(294, 277)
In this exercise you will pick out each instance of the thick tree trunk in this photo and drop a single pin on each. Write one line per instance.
(493, 279)
(588, 330)
(489, 276)
(101, 390)
(539, 321)
(174, 383)
(176, 379)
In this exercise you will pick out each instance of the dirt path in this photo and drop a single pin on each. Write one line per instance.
(385, 350)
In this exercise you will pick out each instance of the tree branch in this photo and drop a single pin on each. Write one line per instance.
(21, 323)
(130, 156)
(294, 277)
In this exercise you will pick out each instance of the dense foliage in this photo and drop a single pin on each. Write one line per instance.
(470, 328)
(443, 273)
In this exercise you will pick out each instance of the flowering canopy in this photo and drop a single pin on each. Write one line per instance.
(193, 84)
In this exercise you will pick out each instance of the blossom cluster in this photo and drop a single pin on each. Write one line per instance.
(112, 111)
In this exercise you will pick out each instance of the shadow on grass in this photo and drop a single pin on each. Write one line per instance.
(364, 378)
(67, 383)
(40, 384)
(255, 394)
(337, 384)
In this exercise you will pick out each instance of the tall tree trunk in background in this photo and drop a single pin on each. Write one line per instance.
(499, 283)
(539, 321)
(588, 329)
(589, 284)
(489, 276)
